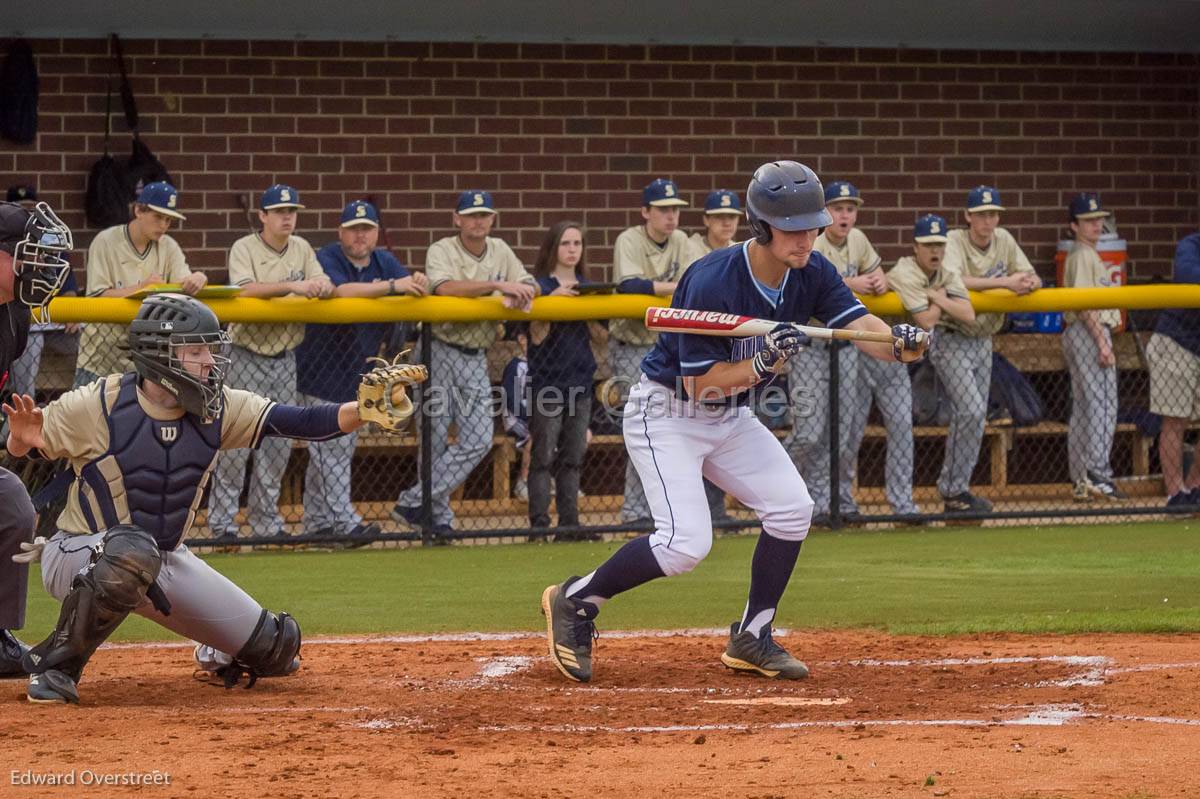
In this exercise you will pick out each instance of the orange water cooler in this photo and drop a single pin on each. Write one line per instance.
(1112, 251)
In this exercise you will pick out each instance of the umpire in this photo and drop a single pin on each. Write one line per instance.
(32, 270)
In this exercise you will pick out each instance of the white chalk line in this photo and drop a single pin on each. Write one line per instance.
(453, 638)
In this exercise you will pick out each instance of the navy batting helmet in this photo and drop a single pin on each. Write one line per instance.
(164, 324)
(785, 195)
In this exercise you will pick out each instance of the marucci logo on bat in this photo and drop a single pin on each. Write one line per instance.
(689, 315)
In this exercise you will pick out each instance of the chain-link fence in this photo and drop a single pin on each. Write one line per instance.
(522, 438)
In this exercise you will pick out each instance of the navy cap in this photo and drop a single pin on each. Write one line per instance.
(473, 201)
(983, 198)
(661, 192)
(930, 229)
(280, 196)
(162, 197)
(21, 194)
(360, 212)
(722, 201)
(842, 191)
(1086, 206)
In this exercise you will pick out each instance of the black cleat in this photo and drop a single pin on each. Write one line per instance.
(52, 687)
(570, 630)
(761, 656)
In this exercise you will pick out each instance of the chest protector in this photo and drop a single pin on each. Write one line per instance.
(154, 472)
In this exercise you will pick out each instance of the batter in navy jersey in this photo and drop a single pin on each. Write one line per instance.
(689, 418)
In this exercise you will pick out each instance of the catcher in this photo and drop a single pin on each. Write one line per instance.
(142, 446)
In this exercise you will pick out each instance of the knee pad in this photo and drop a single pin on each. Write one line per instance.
(271, 648)
(123, 569)
(791, 521)
(681, 558)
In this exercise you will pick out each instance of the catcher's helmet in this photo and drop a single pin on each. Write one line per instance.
(36, 239)
(166, 323)
(785, 195)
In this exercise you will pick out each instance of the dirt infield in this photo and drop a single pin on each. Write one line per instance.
(986, 716)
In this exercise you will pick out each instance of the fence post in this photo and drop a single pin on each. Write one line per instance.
(426, 443)
(835, 454)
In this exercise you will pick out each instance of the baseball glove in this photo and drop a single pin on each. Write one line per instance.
(383, 392)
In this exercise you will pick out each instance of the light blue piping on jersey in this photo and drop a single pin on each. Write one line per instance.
(857, 304)
(764, 290)
(696, 364)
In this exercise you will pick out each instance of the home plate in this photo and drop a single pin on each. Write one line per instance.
(780, 700)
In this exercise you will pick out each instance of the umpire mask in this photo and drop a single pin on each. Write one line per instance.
(176, 341)
(37, 240)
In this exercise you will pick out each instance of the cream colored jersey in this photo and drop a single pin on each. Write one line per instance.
(1086, 269)
(252, 260)
(697, 248)
(635, 255)
(74, 427)
(448, 259)
(113, 263)
(1002, 257)
(909, 280)
(854, 257)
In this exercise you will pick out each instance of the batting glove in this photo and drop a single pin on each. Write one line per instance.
(781, 343)
(910, 343)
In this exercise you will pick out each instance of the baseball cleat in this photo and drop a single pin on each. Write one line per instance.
(569, 630)
(761, 656)
(52, 687)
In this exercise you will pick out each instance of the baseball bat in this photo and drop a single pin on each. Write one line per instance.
(716, 323)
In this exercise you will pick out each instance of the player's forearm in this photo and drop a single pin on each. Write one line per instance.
(984, 283)
(125, 292)
(664, 288)
(876, 349)
(958, 308)
(466, 288)
(266, 290)
(1094, 328)
(376, 288)
(722, 380)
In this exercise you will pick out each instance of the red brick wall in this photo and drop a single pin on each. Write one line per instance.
(575, 131)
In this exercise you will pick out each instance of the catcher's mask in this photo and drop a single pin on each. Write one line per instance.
(37, 239)
(176, 341)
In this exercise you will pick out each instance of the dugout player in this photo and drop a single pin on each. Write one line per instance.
(332, 358)
(33, 244)
(688, 417)
(851, 253)
(935, 297)
(845, 245)
(124, 259)
(988, 257)
(722, 210)
(1088, 350)
(271, 263)
(470, 264)
(142, 446)
(647, 259)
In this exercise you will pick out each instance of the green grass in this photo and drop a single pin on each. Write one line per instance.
(1107, 578)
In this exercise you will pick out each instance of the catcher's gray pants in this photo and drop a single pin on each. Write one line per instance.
(964, 367)
(269, 377)
(327, 482)
(1093, 405)
(889, 384)
(459, 392)
(205, 605)
(16, 526)
(626, 362)
(808, 443)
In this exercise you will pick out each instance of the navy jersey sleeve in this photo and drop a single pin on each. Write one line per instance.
(1187, 260)
(391, 267)
(547, 284)
(835, 304)
(697, 354)
(333, 264)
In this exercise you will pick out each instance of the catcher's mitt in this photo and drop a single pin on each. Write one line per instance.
(383, 395)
